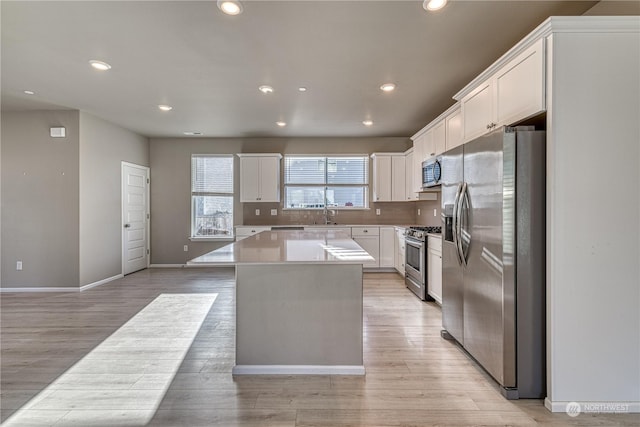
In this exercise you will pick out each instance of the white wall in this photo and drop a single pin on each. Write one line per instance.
(39, 199)
(593, 231)
(103, 146)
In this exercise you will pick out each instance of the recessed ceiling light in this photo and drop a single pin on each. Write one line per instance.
(432, 5)
(387, 87)
(367, 122)
(230, 7)
(192, 133)
(265, 89)
(165, 107)
(29, 92)
(281, 124)
(99, 65)
(302, 89)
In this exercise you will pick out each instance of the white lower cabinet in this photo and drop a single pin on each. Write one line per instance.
(387, 247)
(434, 268)
(400, 250)
(244, 232)
(369, 239)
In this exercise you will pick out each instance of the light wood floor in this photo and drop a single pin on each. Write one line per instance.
(414, 378)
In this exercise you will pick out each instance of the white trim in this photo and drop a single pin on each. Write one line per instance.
(194, 265)
(553, 24)
(167, 265)
(298, 370)
(65, 289)
(259, 155)
(634, 407)
(101, 282)
(438, 119)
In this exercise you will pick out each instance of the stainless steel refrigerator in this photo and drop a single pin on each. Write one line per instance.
(493, 256)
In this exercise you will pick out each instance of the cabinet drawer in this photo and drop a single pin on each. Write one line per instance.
(250, 231)
(346, 230)
(434, 243)
(365, 231)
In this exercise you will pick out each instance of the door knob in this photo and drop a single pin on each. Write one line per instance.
(127, 225)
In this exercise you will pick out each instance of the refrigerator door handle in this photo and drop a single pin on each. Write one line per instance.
(458, 221)
(454, 225)
(464, 236)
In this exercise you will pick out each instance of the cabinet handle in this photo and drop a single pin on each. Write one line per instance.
(365, 231)
(489, 126)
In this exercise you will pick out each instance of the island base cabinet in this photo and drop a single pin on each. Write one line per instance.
(299, 319)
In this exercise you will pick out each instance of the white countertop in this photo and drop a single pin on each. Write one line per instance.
(279, 247)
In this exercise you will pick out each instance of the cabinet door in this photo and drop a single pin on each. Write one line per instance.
(520, 86)
(439, 138)
(454, 130)
(409, 176)
(371, 244)
(387, 247)
(382, 178)
(418, 157)
(429, 145)
(477, 111)
(434, 270)
(249, 179)
(398, 178)
(269, 183)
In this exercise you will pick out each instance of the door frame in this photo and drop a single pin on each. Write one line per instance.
(148, 213)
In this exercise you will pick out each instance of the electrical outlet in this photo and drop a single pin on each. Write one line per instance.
(435, 212)
(377, 211)
(257, 212)
(19, 265)
(274, 212)
(186, 248)
(418, 212)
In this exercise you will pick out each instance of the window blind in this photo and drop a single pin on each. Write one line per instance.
(212, 174)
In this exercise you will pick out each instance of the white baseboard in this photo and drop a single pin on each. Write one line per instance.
(101, 282)
(595, 407)
(298, 370)
(64, 289)
(167, 265)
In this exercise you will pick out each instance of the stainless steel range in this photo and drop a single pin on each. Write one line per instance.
(415, 276)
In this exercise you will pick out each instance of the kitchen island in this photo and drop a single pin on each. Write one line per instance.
(298, 302)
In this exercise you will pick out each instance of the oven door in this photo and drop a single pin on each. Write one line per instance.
(414, 266)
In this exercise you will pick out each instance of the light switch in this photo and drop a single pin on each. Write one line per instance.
(257, 212)
(274, 212)
(418, 212)
(377, 211)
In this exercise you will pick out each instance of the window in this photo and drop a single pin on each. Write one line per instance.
(211, 196)
(311, 182)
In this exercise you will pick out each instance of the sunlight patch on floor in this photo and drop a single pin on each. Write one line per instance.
(123, 380)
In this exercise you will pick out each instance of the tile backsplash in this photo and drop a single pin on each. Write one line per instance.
(391, 213)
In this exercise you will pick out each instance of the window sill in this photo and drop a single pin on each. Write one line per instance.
(213, 239)
(329, 209)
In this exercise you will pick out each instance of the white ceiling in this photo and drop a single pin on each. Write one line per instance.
(208, 65)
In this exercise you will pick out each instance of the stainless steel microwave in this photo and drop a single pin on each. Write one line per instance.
(431, 172)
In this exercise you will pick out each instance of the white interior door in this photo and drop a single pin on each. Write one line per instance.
(135, 217)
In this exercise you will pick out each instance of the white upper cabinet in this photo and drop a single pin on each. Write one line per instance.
(381, 177)
(520, 86)
(409, 176)
(398, 167)
(260, 177)
(477, 112)
(454, 129)
(388, 177)
(418, 158)
(515, 92)
(439, 138)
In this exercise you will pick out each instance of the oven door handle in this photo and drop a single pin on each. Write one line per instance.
(456, 220)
